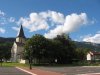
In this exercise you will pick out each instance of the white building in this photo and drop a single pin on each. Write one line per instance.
(93, 55)
(18, 47)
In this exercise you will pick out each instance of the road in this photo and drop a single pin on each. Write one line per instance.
(52, 71)
(73, 70)
(11, 71)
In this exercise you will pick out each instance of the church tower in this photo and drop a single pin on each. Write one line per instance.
(18, 47)
(21, 37)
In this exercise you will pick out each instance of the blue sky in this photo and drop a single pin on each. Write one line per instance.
(16, 12)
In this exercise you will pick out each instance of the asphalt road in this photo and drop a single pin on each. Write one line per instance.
(72, 70)
(11, 71)
(63, 70)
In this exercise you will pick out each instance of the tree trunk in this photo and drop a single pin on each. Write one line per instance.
(1, 62)
(30, 64)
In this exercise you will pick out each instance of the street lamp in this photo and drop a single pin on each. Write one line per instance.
(30, 56)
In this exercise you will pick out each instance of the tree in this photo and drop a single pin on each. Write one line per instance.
(81, 53)
(5, 53)
(39, 46)
(1, 54)
(60, 49)
(67, 48)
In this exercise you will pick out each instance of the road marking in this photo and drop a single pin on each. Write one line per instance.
(26, 71)
(89, 74)
(90, 66)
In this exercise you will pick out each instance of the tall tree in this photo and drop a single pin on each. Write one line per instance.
(38, 45)
(67, 48)
(5, 52)
(60, 49)
(81, 53)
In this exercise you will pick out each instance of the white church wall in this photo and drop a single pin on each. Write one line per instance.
(14, 52)
(17, 39)
(20, 39)
(18, 47)
(89, 56)
(22, 61)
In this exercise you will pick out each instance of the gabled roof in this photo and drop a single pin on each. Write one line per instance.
(21, 32)
(94, 53)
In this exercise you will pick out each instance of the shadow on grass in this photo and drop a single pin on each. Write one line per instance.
(69, 65)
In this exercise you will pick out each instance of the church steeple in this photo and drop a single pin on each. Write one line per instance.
(18, 47)
(21, 32)
(21, 37)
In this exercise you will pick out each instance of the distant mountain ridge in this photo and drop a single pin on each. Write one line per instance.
(91, 46)
(4, 40)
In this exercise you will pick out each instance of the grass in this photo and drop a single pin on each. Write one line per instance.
(82, 63)
(9, 64)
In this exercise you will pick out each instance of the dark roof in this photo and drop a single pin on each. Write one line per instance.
(21, 32)
(94, 53)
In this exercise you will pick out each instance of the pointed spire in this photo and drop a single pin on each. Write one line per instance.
(21, 32)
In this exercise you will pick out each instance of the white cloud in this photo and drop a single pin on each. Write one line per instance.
(2, 30)
(56, 17)
(55, 22)
(11, 19)
(5, 19)
(16, 28)
(41, 21)
(2, 13)
(92, 38)
(72, 22)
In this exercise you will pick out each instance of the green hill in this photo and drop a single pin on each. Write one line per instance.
(91, 46)
(6, 40)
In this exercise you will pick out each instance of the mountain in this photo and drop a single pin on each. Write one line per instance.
(91, 46)
(6, 40)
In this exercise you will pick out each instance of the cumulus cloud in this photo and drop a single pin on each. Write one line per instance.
(71, 23)
(16, 28)
(42, 20)
(5, 19)
(2, 30)
(92, 38)
(55, 22)
(11, 19)
(2, 13)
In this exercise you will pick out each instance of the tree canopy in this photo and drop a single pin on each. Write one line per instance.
(61, 49)
(5, 51)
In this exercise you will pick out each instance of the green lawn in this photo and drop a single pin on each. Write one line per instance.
(9, 64)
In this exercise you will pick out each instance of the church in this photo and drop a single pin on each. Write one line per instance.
(18, 47)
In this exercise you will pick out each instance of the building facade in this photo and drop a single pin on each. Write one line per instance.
(18, 47)
(93, 55)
